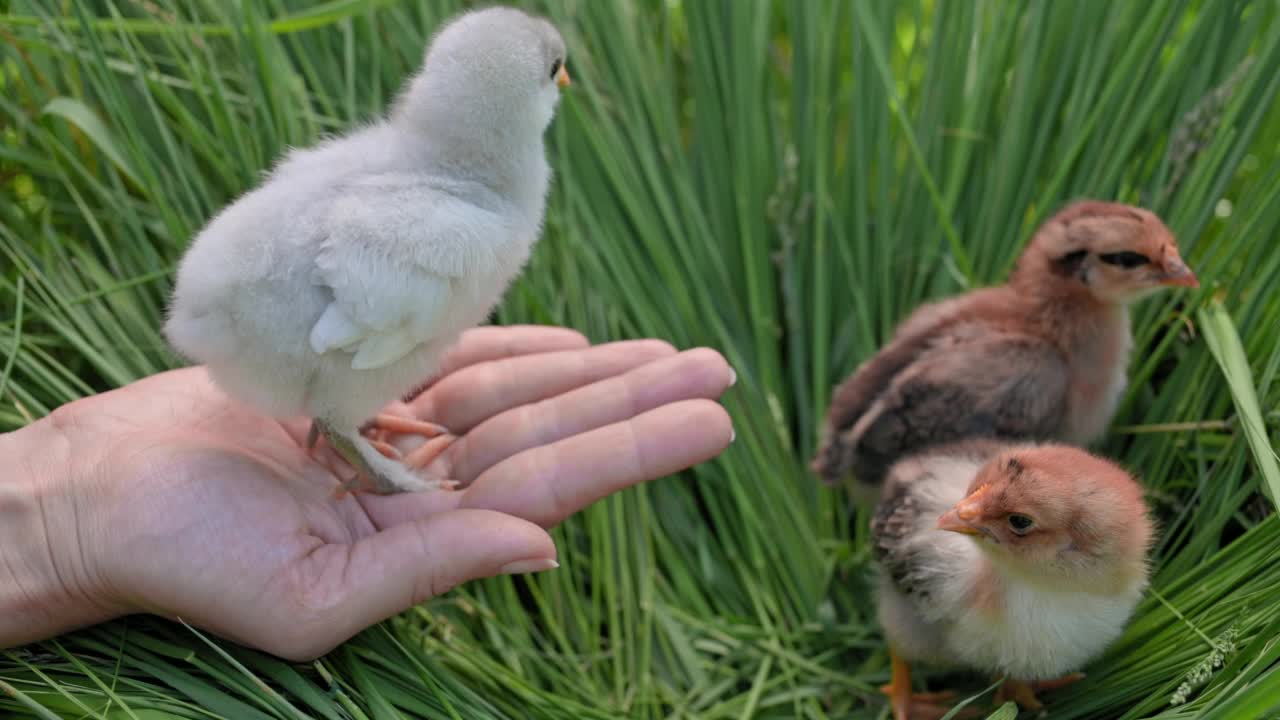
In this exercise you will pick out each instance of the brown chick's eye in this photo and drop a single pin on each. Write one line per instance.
(1124, 259)
(555, 67)
(1070, 263)
(1020, 524)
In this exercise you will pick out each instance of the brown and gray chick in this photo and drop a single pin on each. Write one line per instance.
(1042, 357)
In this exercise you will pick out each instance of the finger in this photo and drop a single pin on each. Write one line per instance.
(387, 511)
(698, 373)
(464, 398)
(693, 374)
(550, 482)
(484, 344)
(492, 342)
(392, 570)
(478, 345)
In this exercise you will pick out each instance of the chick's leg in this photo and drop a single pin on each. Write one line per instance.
(372, 469)
(899, 688)
(438, 437)
(907, 705)
(1024, 693)
(379, 444)
(400, 424)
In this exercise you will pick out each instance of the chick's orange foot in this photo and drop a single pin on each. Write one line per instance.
(920, 706)
(411, 426)
(438, 438)
(377, 433)
(1025, 693)
(908, 705)
(361, 483)
(387, 449)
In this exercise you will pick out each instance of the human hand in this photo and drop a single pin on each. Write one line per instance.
(184, 503)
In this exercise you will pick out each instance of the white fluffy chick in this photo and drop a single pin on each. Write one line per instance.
(336, 286)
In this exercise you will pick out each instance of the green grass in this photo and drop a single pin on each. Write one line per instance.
(782, 181)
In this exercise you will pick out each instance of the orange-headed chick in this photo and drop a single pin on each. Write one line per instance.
(1042, 357)
(1022, 561)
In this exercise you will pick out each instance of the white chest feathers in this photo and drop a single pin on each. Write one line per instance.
(1031, 633)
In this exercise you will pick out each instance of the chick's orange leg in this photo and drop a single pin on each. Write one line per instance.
(386, 448)
(1055, 683)
(422, 455)
(378, 443)
(358, 483)
(1024, 693)
(1019, 692)
(410, 426)
(385, 424)
(899, 688)
(907, 705)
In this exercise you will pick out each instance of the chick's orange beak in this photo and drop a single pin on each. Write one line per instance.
(562, 77)
(960, 518)
(954, 520)
(1175, 272)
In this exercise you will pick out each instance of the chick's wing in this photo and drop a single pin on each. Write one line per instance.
(392, 256)
(991, 384)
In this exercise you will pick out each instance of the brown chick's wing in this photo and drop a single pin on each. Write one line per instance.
(912, 338)
(995, 385)
(852, 398)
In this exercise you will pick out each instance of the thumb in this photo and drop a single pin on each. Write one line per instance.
(397, 568)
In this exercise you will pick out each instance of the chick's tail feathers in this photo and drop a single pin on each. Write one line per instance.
(832, 461)
(842, 453)
(237, 364)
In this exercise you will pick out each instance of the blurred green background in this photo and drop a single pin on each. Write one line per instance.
(782, 181)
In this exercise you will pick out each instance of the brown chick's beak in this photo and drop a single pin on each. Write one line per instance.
(1177, 273)
(562, 77)
(952, 521)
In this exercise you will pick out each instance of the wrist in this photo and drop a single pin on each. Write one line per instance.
(46, 584)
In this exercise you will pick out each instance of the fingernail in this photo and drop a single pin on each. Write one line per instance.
(733, 435)
(733, 377)
(534, 565)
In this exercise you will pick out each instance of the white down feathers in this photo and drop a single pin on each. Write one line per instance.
(337, 285)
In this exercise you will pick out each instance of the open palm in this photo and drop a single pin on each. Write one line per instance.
(216, 514)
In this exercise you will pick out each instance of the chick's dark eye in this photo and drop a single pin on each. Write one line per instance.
(1020, 524)
(1069, 264)
(1124, 259)
(555, 67)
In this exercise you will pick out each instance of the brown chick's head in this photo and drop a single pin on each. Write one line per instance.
(1056, 514)
(1118, 253)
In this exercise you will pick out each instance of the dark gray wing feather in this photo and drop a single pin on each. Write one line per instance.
(1007, 386)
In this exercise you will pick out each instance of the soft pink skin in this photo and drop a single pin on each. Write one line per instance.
(167, 497)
